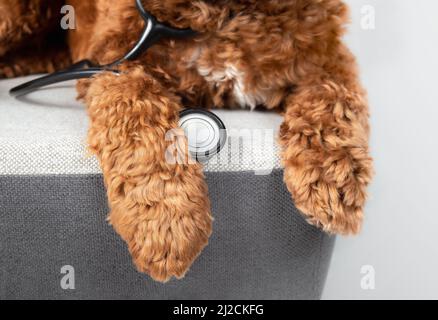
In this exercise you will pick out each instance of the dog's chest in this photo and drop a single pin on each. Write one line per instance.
(228, 77)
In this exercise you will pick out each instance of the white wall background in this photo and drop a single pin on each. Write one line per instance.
(399, 65)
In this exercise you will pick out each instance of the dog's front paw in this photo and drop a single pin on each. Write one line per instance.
(165, 219)
(331, 195)
(326, 206)
(6, 71)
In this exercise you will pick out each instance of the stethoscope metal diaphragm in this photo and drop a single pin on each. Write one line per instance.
(206, 133)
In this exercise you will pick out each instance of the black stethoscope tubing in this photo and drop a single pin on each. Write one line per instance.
(153, 32)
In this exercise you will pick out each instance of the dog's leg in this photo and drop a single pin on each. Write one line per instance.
(325, 141)
(21, 21)
(161, 209)
(31, 39)
(31, 61)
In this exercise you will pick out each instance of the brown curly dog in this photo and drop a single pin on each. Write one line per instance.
(282, 55)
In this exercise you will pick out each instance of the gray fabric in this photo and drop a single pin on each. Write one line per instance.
(261, 247)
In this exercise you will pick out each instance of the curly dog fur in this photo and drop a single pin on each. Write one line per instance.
(282, 55)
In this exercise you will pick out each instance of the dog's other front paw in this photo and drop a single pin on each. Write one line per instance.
(332, 194)
(165, 220)
(6, 71)
(326, 154)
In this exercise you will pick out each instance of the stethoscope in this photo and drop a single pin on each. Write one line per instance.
(205, 131)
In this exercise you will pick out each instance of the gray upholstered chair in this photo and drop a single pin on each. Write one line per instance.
(53, 208)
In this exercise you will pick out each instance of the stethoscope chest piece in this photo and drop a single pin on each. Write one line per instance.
(205, 132)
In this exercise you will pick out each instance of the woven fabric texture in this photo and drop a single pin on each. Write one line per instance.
(261, 247)
(45, 133)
